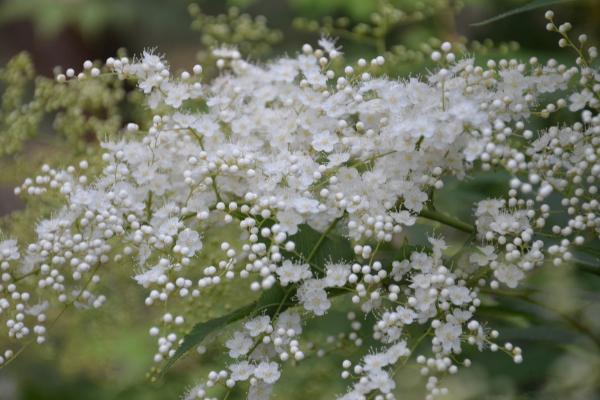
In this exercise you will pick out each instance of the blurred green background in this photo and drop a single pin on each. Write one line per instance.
(106, 354)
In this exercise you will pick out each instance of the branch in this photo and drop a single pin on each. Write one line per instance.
(447, 220)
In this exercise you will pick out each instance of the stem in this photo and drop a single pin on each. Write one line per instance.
(443, 97)
(447, 220)
(55, 320)
(587, 267)
(569, 320)
(149, 206)
(321, 239)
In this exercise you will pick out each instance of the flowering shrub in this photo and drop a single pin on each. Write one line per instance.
(314, 172)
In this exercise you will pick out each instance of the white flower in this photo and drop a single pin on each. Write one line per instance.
(375, 361)
(509, 274)
(289, 320)
(425, 302)
(459, 316)
(399, 269)
(490, 206)
(486, 254)
(336, 159)
(513, 82)
(152, 61)
(580, 100)
(241, 371)
(438, 246)
(177, 93)
(449, 336)
(260, 391)
(258, 325)
(337, 274)
(405, 315)
(404, 218)
(268, 372)
(151, 275)
(313, 297)
(284, 70)
(381, 380)
(239, 344)
(459, 295)
(317, 302)
(422, 262)
(189, 242)
(306, 205)
(324, 141)
(396, 351)
(474, 149)
(422, 281)
(353, 395)
(289, 220)
(195, 392)
(423, 127)
(328, 45)
(150, 82)
(291, 273)
(9, 250)
(37, 309)
(414, 199)
(169, 227)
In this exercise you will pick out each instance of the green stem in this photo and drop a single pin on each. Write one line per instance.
(586, 266)
(321, 239)
(149, 206)
(55, 320)
(447, 220)
(574, 322)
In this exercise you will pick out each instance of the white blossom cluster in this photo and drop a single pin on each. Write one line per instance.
(290, 144)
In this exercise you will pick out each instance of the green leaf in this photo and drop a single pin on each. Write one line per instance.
(203, 329)
(547, 333)
(311, 245)
(527, 7)
(319, 248)
(271, 302)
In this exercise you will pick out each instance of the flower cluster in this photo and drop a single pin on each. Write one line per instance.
(294, 148)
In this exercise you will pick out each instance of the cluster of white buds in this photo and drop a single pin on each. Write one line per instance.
(292, 152)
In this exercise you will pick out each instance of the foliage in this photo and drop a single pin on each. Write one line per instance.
(90, 17)
(84, 111)
(250, 35)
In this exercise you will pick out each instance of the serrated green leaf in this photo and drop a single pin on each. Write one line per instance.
(201, 330)
(272, 301)
(527, 7)
(318, 248)
(313, 247)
